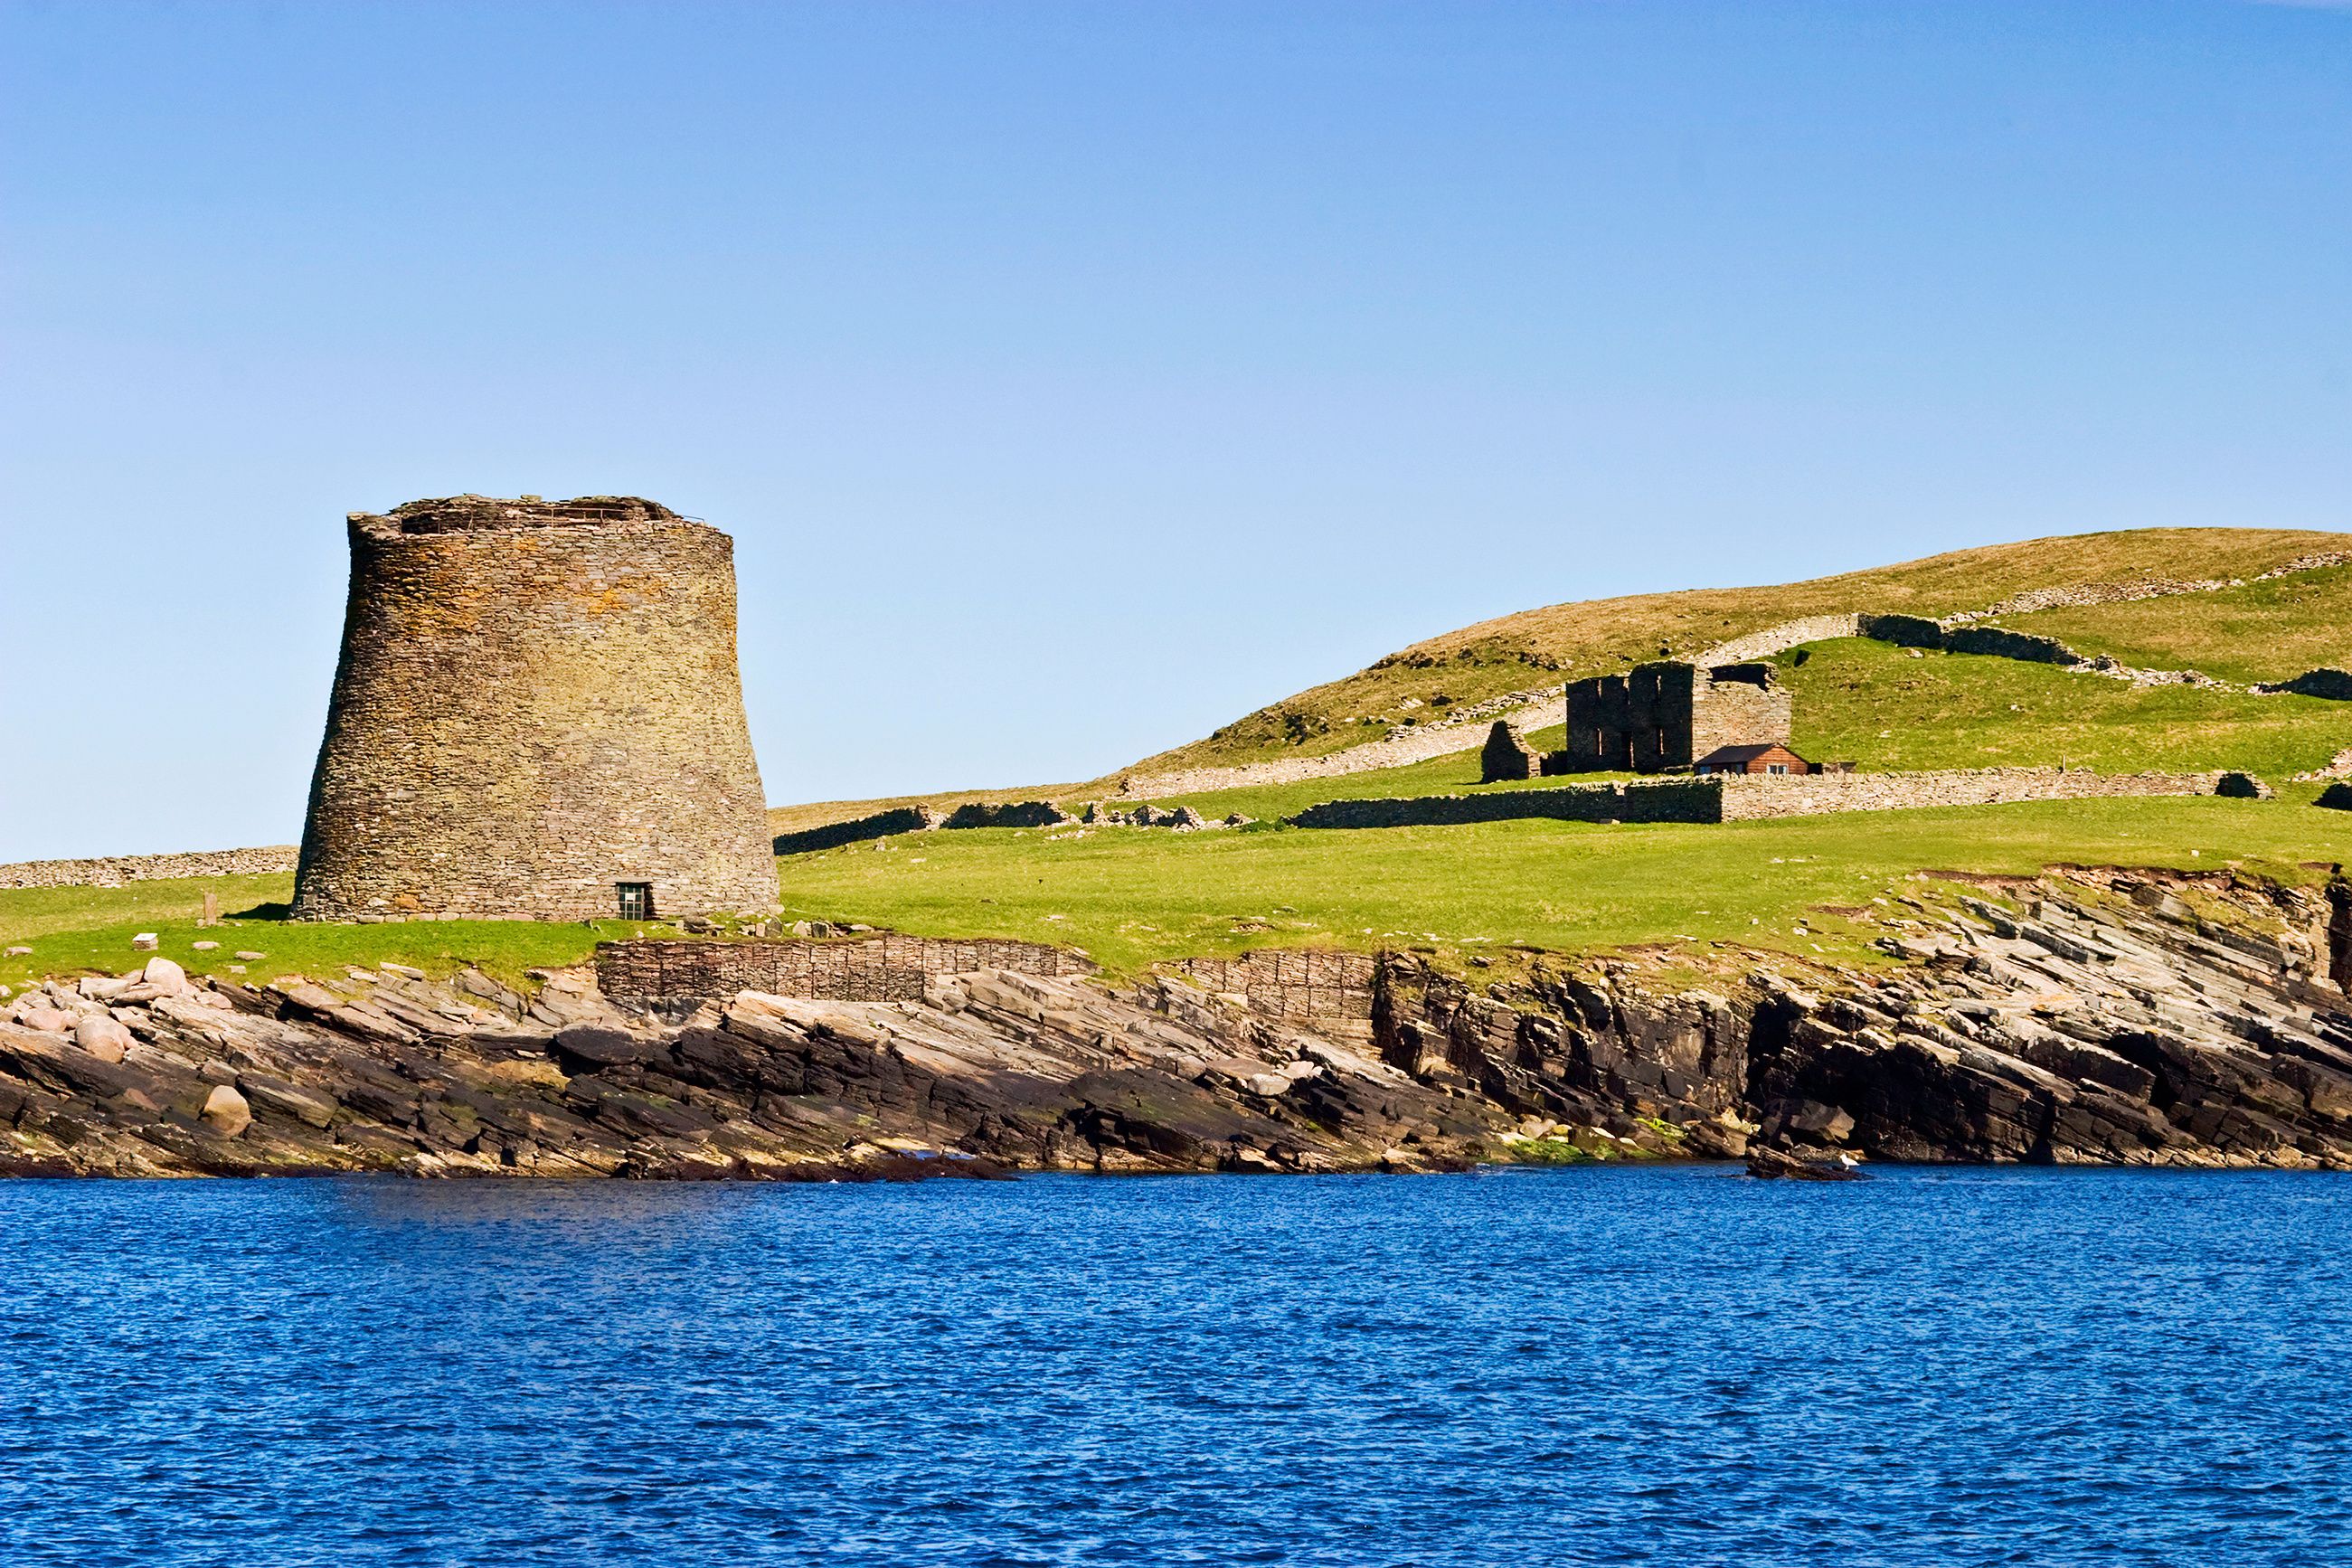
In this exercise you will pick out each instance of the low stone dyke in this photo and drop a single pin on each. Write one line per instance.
(1746, 797)
(112, 870)
(1999, 642)
(886, 968)
(1903, 631)
(881, 825)
(1749, 796)
(1662, 800)
(1018, 813)
(2336, 685)
(1781, 639)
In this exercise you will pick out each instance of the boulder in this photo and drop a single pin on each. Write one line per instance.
(204, 946)
(586, 1048)
(245, 956)
(225, 1111)
(164, 975)
(1769, 1164)
(102, 1037)
(48, 1020)
(20, 952)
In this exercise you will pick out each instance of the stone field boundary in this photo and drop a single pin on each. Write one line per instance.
(1746, 797)
(113, 870)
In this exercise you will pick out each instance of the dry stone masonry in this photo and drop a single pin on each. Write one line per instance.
(113, 870)
(884, 968)
(537, 715)
(1742, 797)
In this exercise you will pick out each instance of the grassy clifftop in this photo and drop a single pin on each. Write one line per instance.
(2299, 622)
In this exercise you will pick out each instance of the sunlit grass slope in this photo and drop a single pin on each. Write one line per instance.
(1563, 641)
(2263, 631)
(1867, 702)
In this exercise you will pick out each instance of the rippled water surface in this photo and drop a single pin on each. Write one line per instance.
(1619, 1366)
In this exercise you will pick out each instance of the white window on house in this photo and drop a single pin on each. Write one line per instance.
(636, 900)
(1776, 767)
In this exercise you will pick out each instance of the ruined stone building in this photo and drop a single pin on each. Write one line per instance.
(1670, 714)
(537, 715)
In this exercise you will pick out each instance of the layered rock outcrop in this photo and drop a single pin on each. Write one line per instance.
(2127, 1019)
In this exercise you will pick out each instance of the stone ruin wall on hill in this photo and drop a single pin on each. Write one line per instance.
(112, 870)
(1744, 797)
(886, 968)
(1463, 729)
(536, 702)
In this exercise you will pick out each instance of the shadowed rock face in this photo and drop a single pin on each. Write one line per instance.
(2099, 1019)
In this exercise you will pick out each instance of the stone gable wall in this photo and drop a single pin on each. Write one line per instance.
(1506, 755)
(888, 968)
(525, 715)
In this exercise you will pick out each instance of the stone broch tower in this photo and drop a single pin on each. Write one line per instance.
(537, 715)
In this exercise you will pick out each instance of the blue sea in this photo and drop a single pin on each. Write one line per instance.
(1582, 1366)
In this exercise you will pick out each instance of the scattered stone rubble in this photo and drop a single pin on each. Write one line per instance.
(2098, 1016)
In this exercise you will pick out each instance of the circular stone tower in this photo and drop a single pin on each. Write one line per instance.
(537, 715)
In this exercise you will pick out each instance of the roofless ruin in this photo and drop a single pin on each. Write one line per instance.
(537, 715)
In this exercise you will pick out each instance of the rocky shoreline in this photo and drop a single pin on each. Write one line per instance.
(2130, 1018)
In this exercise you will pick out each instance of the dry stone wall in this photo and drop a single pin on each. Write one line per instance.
(1662, 800)
(536, 702)
(881, 825)
(887, 968)
(113, 870)
(1780, 638)
(1296, 985)
(1458, 732)
(1015, 813)
(1741, 797)
(1749, 796)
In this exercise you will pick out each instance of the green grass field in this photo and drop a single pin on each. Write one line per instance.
(1130, 897)
(71, 930)
(2263, 631)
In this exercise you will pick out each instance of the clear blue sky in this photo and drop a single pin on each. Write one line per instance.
(1077, 377)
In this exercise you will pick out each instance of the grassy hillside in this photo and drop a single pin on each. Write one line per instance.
(2263, 631)
(1867, 702)
(1560, 642)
